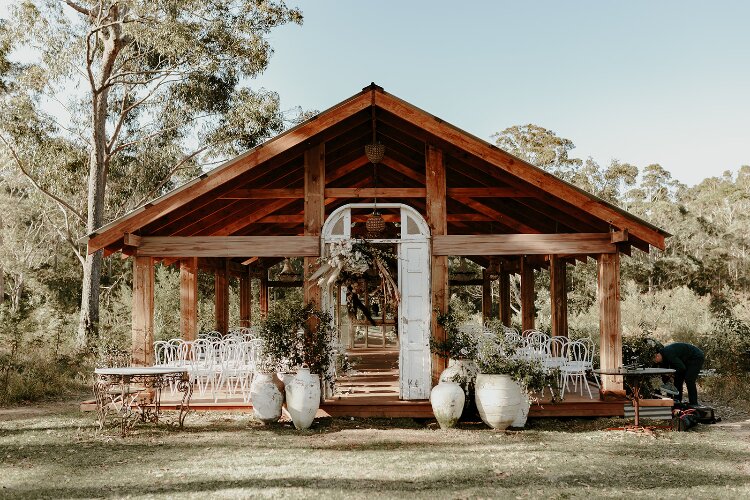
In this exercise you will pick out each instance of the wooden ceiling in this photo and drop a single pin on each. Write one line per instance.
(485, 195)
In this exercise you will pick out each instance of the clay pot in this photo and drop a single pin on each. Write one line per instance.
(303, 398)
(523, 412)
(266, 397)
(447, 399)
(498, 399)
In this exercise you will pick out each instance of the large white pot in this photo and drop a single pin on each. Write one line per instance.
(447, 399)
(303, 398)
(464, 373)
(523, 412)
(266, 397)
(498, 399)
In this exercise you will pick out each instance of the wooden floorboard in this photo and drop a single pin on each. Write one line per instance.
(371, 389)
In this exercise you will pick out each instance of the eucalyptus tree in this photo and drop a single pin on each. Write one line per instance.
(541, 147)
(150, 90)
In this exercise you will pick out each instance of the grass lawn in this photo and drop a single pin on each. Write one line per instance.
(57, 452)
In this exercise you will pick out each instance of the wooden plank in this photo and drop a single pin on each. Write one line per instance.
(230, 246)
(517, 167)
(610, 340)
(487, 192)
(558, 296)
(504, 219)
(131, 240)
(402, 169)
(486, 296)
(246, 299)
(437, 219)
(142, 353)
(528, 295)
(228, 171)
(315, 178)
(375, 192)
(221, 299)
(263, 194)
(619, 236)
(189, 298)
(505, 310)
(522, 244)
(263, 294)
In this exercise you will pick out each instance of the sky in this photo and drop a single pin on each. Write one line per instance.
(663, 82)
(642, 82)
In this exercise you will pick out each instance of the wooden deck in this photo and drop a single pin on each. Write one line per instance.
(371, 390)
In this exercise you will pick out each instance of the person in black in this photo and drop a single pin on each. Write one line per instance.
(687, 361)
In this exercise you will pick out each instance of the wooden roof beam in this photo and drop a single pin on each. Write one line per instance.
(523, 244)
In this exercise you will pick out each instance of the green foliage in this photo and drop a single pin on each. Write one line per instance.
(496, 354)
(293, 336)
(727, 347)
(459, 343)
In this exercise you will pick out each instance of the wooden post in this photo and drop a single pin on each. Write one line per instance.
(263, 294)
(505, 311)
(189, 298)
(486, 296)
(527, 295)
(315, 180)
(610, 335)
(558, 294)
(438, 220)
(221, 302)
(143, 312)
(246, 300)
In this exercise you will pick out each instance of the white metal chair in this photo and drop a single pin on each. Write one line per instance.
(576, 366)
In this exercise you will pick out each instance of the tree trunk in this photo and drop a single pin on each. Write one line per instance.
(112, 41)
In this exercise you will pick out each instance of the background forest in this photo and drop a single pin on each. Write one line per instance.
(104, 118)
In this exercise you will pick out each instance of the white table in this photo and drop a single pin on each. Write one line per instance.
(146, 400)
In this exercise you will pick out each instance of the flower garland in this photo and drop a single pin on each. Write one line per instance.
(348, 260)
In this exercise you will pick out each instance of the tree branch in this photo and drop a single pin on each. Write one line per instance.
(170, 174)
(79, 8)
(33, 181)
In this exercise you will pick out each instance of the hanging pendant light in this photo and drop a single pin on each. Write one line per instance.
(375, 152)
(287, 273)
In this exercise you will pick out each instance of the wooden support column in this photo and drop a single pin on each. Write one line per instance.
(558, 293)
(438, 221)
(610, 334)
(505, 311)
(143, 312)
(246, 300)
(527, 295)
(315, 180)
(189, 298)
(221, 302)
(263, 294)
(486, 296)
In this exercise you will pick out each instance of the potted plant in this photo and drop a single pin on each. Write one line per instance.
(301, 340)
(506, 381)
(460, 348)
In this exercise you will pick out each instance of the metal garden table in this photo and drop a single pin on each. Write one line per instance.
(134, 393)
(633, 378)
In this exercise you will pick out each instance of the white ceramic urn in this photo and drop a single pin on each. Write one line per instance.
(266, 397)
(523, 411)
(498, 399)
(447, 399)
(303, 398)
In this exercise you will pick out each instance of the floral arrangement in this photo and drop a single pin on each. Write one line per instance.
(348, 260)
(459, 343)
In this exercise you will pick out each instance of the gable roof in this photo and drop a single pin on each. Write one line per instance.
(556, 203)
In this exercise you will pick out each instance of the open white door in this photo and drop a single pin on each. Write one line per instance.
(415, 309)
(414, 320)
